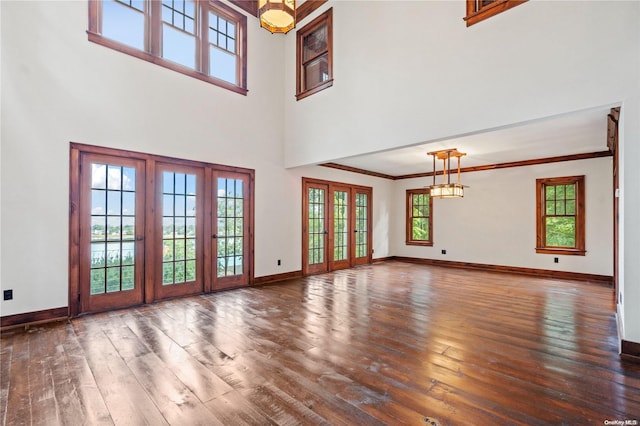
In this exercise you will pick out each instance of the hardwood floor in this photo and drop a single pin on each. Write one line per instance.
(392, 343)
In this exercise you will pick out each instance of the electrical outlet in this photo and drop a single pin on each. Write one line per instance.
(444, 252)
(556, 260)
(279, 262)
(8, 294)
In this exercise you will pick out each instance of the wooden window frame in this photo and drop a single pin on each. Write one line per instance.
(409, 219)
(541, 245)
(153, 41)
(326, 18)
(150, 233)
(477, 13)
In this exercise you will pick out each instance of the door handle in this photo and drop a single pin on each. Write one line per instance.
(139, 238)
(214, 236)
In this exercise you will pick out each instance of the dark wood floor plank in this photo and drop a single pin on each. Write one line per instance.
(77, 393)
(281, 407)
(6, 360)
(201, 381)
(124, 396)
(17, 380)
(173, 398)
(233, 409)
(44, 405)
(392, 343)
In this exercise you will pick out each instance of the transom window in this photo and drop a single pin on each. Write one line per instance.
(202, 39)
(314, 56)
(419, 217)
(479, 10)
(560, 210)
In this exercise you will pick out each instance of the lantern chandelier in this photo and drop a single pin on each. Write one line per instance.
(446, 189)
(277, 16)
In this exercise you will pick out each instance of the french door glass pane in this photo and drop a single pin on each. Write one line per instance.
(316, 225)
(230, 235)
(178, 228)
(340, 225)
(112, 228)
(362, 201)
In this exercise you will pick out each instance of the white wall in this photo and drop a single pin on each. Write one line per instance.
(408, 72)
(495, 222)
(629, 215)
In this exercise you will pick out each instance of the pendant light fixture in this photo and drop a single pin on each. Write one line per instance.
(446, 189)
(277, 16)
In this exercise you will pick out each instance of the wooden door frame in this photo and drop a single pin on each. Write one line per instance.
(612, 144)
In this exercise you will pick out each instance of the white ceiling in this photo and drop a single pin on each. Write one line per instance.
(574, 133)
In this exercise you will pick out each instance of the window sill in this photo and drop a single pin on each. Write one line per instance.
(316, 89)
(563, 251)
(111, 44)
(491, 10)
(420, 243)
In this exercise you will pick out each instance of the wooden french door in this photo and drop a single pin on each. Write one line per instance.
(111, 237)
(231, 229)
(336, 226)
(361, 246)
(315, 228)
(178, 230)
(144, 228)
(340, 237)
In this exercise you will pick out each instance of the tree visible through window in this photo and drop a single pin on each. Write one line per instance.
(560, 211)
(419, 217)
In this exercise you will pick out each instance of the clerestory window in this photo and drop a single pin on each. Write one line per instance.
(202, 39)
(314, 56)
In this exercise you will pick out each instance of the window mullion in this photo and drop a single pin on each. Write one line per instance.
(202, 37)
(154, 28)
(314, 57)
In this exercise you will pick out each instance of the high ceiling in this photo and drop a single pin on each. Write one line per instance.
(575, 133)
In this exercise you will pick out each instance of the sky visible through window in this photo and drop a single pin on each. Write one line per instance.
(124, 21)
